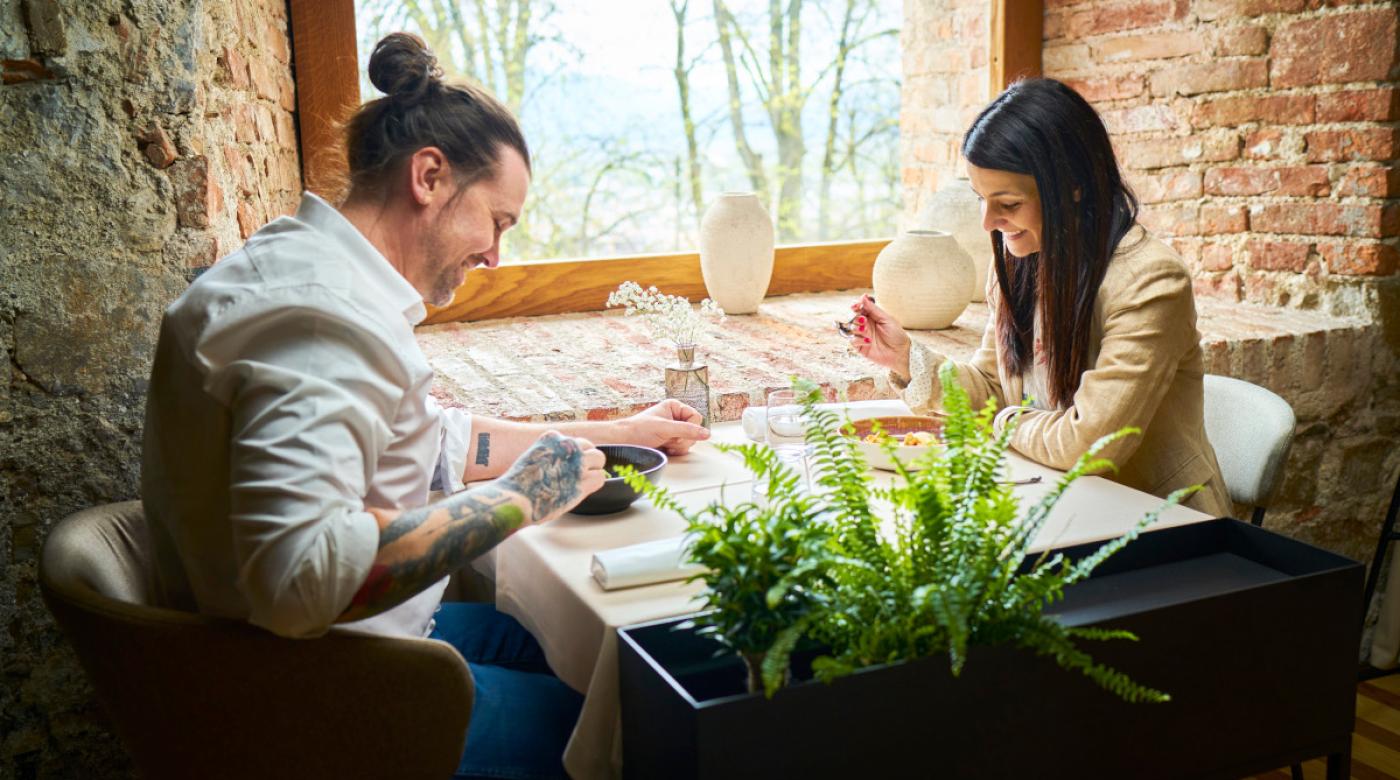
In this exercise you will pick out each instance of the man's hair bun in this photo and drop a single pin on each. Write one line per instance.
(402, 67)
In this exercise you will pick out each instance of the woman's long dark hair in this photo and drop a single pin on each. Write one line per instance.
(1044, 129)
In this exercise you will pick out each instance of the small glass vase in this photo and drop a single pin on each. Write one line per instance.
(689, 383)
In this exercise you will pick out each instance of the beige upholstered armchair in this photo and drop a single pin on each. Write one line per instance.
(192, 696)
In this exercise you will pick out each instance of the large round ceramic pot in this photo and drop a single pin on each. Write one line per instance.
(954, 209)
(924, 279)
(736, 252)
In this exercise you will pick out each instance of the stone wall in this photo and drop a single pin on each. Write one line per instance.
(141, 139)
(1261, 138)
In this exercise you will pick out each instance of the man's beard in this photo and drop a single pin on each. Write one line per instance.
(440, 258)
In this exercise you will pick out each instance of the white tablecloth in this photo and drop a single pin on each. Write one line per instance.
(542, 573)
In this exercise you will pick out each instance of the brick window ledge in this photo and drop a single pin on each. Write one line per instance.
(601, 365)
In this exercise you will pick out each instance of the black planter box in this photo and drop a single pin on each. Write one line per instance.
(1254, 636)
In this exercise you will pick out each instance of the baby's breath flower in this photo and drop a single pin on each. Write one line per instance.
(671, 317)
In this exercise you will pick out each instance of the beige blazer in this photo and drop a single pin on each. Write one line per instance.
(1147, 366)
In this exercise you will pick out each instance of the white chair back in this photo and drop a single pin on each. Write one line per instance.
(1251, 430)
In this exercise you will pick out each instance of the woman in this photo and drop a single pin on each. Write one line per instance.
(1092, 319)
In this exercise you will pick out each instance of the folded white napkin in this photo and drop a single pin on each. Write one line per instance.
(756, 417)
(644, 564)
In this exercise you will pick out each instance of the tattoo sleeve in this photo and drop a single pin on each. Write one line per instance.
(458, 530)
(483, 449)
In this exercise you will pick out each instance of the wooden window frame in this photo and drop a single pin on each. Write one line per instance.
(326, 63)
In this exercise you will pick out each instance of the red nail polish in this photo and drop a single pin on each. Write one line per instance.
(861, 320)
(867, 339)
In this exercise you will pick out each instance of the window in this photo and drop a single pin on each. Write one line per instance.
(639, 114)
(328, 77)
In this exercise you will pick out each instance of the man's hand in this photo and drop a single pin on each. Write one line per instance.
(669, 426)
(555, 473)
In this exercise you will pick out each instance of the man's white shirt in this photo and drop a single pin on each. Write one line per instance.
(288, 395)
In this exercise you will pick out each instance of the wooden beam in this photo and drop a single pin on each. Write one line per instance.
(1017, 27)
(327, 72)
(555, 287)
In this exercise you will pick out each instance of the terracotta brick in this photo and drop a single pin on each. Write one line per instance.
(1220, 76)
(1225, 9)
(286, 91)
(286, 130)
(248, 222)
(1306, 181)
(1130, 15)
(197, 195)
(1246, 41)
(1167, 152)
(245, 123)
(1053, 27)
(1353, 259)
(1173, 185)
(156, 146)
(1322, 219)
(1359, 105)
(1277, 255)
(1171, 219)
(1216, 219)
(1152, 46)
(1335, 49)
(1188, 247)
(267, 129)
(1066, 59)
(1370, 182)
(1101, 88)
(1367, 143)
(264, 82)
(1226, 286)
(1217, 257)
(275, 40)
(1142, 119)
(234, 68)
(21, 71)
(1275, 109)
(1266, 144)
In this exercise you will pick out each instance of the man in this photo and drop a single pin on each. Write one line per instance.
(291, 442)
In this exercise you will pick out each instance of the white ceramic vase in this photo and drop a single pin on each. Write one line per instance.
(954, 209)
(736, 251)
(924, 279)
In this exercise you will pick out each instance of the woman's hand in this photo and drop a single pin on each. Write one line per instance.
(879, 338)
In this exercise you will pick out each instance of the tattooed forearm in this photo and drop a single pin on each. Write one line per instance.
(455, 532)
(483, 449)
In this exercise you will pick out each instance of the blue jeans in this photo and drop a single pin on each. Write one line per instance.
(523, 715)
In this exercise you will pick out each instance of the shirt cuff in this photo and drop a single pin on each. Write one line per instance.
(923, 392)
(452, 454)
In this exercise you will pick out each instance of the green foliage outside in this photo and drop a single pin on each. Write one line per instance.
(929, 566)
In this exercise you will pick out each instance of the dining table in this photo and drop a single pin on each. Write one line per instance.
(543, 577)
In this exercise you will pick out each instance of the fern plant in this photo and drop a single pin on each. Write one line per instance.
(762, 563)
(941, 571)
(930, 565)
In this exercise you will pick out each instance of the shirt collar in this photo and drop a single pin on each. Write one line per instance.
(326, 219)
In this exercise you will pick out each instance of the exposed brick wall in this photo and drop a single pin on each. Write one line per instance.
(138, 139)
(946, 82)
(1260, 134)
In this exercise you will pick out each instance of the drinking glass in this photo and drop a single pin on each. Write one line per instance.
(785, 431)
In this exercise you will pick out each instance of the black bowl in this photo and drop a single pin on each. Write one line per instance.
(615, 495)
